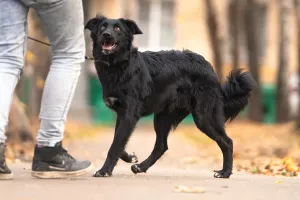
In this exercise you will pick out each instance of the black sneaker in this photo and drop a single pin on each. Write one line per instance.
(55, 162)
(5, 173)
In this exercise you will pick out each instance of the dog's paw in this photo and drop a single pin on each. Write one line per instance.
(136, 169)
(133, 158)
(101, 173)
(129, 158)
(222, 173)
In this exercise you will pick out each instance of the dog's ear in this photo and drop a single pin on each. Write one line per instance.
(93, 23)
(132, 26)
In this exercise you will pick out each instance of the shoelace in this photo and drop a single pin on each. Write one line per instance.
(64, 153)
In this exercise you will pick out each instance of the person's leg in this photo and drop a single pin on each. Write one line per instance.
(13, 32)
(63, 23)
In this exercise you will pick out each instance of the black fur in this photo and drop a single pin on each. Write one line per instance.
(170, 84)
(236, 92)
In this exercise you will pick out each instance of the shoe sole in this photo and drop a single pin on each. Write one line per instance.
(6, 176)
(58, 174)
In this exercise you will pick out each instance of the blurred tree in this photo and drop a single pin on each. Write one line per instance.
(86, 7)
(285, 16)
(297, 5)
(88, 13)
(234, 12)
(215, 40)
(252, 37)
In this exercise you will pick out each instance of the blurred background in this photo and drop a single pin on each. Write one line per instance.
(262, 36)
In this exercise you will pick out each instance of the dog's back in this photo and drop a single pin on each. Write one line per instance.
(176, 77)
(177, 64)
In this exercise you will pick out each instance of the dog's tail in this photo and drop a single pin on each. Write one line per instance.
(236, 92)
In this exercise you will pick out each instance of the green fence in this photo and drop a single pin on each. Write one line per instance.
(100, 113)
(268, 92)
(269, 103)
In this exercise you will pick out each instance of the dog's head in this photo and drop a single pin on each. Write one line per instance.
(112, 35)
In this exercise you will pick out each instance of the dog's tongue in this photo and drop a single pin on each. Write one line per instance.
(107, 46)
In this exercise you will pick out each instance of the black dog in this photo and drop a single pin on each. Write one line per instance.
(170, 84)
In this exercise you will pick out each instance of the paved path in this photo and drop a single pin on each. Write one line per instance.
(157, 184)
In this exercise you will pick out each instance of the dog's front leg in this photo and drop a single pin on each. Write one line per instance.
(124, 130)
(126, 157)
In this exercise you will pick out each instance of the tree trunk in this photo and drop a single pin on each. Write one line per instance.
(251, 30)
(87, 5)
(86, 8)
(297, 5)
(282, 108)
(234, 22)
(214, 38)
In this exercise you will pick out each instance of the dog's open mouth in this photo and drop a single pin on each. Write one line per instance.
(108, 46)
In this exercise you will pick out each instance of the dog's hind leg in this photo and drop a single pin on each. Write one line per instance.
(163, 123)
(212, 124)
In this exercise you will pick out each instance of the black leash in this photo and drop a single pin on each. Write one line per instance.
(45, 43)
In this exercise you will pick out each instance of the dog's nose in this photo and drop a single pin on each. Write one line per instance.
(106, 34)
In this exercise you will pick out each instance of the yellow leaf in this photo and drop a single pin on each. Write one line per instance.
(278, 181)
(292, 168)
(188, 189)
(288, 161)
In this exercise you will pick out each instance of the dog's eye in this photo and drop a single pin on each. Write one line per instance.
(117, 29)
(102, 28)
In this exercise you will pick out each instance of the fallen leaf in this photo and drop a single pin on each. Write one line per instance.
(278, 181)
(188, 189)
(261, 149)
